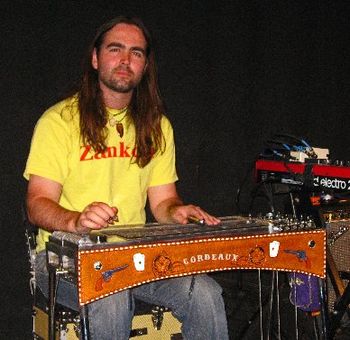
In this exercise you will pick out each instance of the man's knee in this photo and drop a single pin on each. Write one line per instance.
(205, 287)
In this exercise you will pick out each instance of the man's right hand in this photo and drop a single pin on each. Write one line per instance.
(95, 216)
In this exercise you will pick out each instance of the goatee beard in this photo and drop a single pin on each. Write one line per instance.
(121, 86)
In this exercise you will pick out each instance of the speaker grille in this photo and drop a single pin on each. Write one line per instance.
(339, 247)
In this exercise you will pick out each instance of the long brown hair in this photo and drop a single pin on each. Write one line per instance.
(145, 109)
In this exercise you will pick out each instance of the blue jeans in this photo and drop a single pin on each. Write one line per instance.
(196, 301)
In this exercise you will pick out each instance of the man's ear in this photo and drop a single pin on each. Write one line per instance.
(94, 61)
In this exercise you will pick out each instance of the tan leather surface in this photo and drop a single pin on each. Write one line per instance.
(303, 251)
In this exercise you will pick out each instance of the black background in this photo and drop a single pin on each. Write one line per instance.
(232, 73)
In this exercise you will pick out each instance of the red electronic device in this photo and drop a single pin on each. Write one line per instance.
(323, 176)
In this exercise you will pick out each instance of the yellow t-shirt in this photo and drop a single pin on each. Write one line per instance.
(112, 177)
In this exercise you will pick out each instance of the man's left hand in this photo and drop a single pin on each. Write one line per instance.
(188, 213)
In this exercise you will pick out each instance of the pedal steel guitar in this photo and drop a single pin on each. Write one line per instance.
(123, 257)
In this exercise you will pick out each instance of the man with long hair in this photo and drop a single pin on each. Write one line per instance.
(97, 156)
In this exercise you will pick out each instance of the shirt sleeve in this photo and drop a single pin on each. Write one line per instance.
(164, 168)
(49, 148)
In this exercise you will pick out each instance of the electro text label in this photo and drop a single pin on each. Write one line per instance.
(332, 183)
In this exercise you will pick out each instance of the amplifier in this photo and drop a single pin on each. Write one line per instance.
(150, 327)
(339, 250)
(155, 325)
(41, 327)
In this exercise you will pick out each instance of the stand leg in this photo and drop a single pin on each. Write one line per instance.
(84, 323)
(324, 308)
(52, 303)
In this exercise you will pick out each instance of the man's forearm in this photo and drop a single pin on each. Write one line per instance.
(164, 212)
(49, 215)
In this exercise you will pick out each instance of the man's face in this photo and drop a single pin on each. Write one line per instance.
(121, 60)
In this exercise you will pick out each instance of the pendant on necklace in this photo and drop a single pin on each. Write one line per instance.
(120, 129)
(112, 121)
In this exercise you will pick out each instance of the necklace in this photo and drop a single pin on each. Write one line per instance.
(114, 121)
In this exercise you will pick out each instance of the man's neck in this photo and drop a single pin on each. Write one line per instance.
(116, 100)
